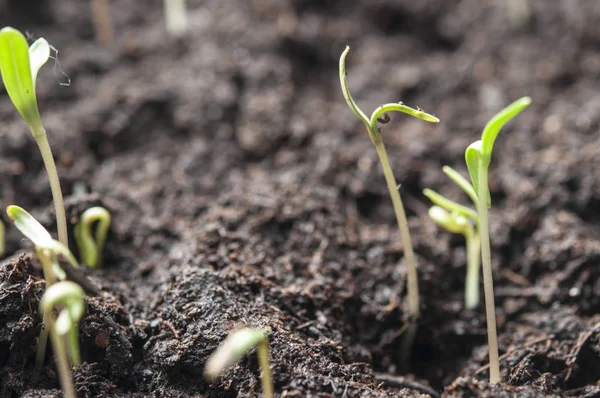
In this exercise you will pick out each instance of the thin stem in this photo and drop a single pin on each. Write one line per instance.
(488, 281)
(59, 206)
(72, 339)
(103, 23)
(262, 352)
(412, 282)
(472, 279)
(62, 362)
(41, 345)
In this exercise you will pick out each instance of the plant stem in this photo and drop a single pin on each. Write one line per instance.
(263, 360)
(102, 20)
(412, 282)
(472, 280)
(62, 362)
(41, 345)
(175, 17)
(488, 281)
(59, 206)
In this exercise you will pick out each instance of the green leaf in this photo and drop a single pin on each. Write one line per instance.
(472, 158)
(39, 53)
(450, 205)
(400, 107)
(451, 222)
(30, 227)
(16, 75)
(493, 127)
(462, 182)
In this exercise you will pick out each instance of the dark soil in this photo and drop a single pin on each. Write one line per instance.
(244, 192)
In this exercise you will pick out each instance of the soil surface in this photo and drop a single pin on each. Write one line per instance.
(245, 193)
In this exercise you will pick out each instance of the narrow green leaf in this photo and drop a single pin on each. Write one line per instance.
(493, 127)
(400, 107)
(462, 182)
(450, 205)
(30, 227)
(472, 155)
(346, 90)
(39, 53)
(235, 346)
(16, 75)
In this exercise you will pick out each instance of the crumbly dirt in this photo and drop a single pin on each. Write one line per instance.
(245, 193)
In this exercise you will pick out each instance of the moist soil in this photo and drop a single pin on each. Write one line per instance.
(245, 193)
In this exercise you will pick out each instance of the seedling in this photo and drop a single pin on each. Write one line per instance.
(91, 246)
(478, 157)
(175, 17)
(48, 250)
(66, 298)
(234, 348)
(380, 115)
(459, 219)
(19, 65)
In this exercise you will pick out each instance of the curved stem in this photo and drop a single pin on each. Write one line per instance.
(59, 206)
(488, 281)
(412, 282)
(62, 361)
(346, 91)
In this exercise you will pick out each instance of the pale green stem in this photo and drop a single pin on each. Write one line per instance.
(62, 361)
(73, 345)
(412, 282)
(47, 266)
(263, 360)
(488, 281)
(472, 281)
(41, 345)
(59, 206)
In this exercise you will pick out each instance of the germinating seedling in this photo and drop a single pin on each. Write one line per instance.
(379, 115)
(460, 219)
(19, 65)
(91, 245)
(234, 348)
(66, 298)
(478, 157)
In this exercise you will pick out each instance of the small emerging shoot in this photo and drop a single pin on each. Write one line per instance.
(91, 245)
(380, 115)
(234, 348)
(19, 65)
(66, 298)
(175, 17)
(478, 157)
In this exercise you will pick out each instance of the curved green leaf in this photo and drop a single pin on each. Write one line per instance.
(16, 75)
(462, 182)
(30, 227)
(451, 222)
(450, 205)
(400, 107)
(492, 128)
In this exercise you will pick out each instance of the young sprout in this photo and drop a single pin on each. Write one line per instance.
(175, 17)
(455, 217)
(48, 250)
(19, 65)
(90, 247)
(66, 298)
(102, 20)
(235, 346)
(478, 157)
(380, 115)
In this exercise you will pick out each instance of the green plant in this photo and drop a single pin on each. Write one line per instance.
(19, 65)
(379, 115)
(478, 157)
(67, 298)
(235, 346)
(175, 17)
(460, 219)
(48, 250)
(90, 247)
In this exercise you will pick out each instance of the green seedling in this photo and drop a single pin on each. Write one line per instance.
(463, 220)
(175, 17)
(91, 245)
(234, 348)
(478, 157)
(48, 250)
(19, 65)
(67, 299)
(380, 116)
